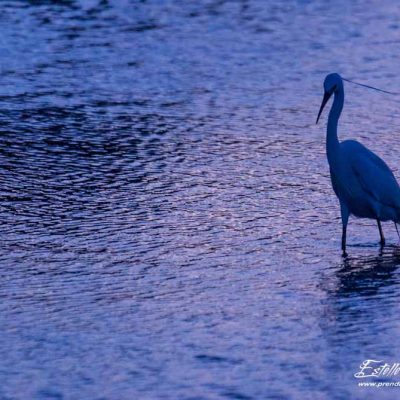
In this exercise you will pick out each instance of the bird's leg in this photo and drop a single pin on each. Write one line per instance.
(345, 218)
(398, 234)
(382, 242)
(344, 240)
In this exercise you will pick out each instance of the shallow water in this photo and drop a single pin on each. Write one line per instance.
(168, 229)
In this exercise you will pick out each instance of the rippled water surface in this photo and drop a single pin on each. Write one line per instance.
(168, 229)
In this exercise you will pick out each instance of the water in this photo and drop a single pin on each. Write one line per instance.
(168, 229)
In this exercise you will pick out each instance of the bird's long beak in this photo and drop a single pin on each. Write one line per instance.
(327, 96)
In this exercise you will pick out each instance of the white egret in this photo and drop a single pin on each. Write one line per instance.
(363, 183)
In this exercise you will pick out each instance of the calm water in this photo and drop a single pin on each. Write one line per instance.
(168, 229)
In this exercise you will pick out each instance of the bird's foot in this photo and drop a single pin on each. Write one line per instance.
(344, 254)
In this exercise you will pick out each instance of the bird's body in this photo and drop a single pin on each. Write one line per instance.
(363, 183)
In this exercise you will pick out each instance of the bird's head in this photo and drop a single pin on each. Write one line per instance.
(333, 83)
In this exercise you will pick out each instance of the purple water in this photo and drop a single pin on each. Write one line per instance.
(168, 228)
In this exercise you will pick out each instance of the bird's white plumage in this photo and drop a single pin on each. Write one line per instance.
(363, 183)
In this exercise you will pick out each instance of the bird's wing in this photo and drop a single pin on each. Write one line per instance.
(373, 175)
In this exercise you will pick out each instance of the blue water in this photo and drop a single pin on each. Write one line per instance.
(167, 225)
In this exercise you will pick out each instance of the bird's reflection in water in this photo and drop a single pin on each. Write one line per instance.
(363, 291)
(364, 276)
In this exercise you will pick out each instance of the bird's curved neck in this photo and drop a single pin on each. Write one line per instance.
(332, 141)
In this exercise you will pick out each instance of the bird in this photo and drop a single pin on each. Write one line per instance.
(361, 180)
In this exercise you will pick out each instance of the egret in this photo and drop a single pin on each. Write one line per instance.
(363, 183)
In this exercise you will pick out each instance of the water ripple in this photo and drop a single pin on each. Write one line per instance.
(168, 226)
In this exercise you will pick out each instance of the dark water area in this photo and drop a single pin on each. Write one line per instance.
(168, 229)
